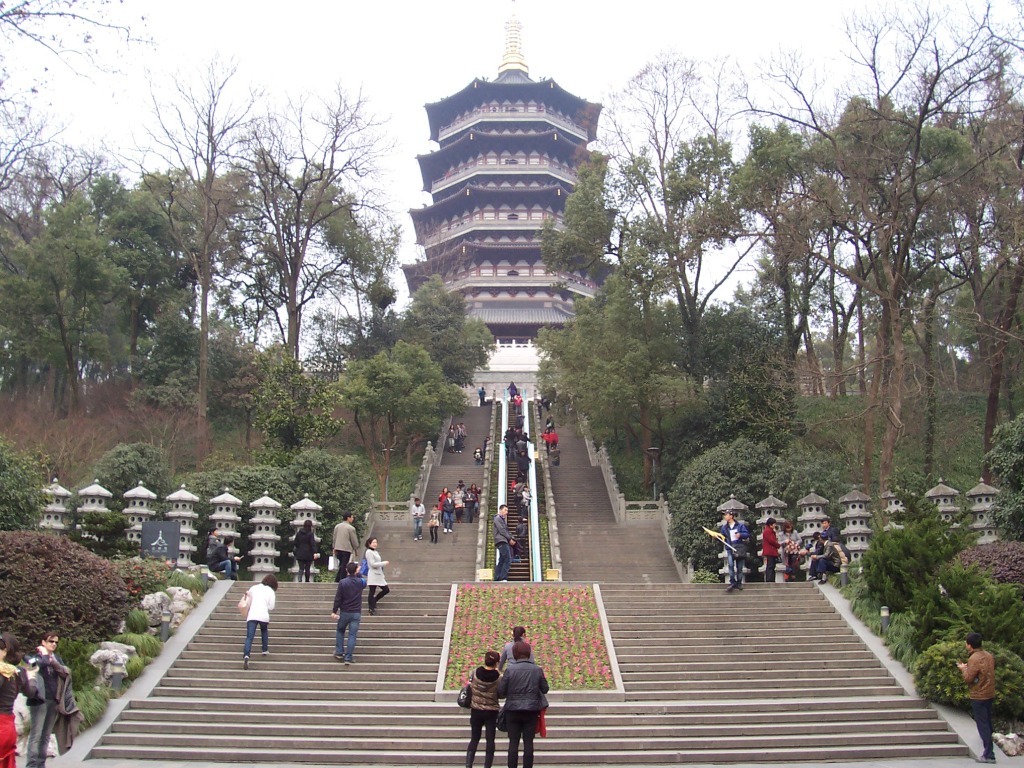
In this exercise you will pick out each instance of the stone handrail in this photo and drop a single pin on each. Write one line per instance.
(483, 518)
(550, 509)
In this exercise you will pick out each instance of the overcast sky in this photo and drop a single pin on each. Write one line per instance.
(405, 54)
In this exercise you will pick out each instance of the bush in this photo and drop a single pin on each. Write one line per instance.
(92, 703)
(76, 654)
(103, 533)
(901, 561)
(126, 465)
(1002, 560)
(144, 644)
(21, 497)
(701, 576)
(1006, 459)
(187, 580)
(961, 600)
(143, 576)
(135, 666)
(137, 622)
(741, 468)
(938, 679)
(51, 583)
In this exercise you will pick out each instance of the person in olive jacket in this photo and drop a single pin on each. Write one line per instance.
(523, 687)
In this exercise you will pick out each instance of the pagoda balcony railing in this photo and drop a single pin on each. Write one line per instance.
(558, 170)
(574, 283)
(478, 223)
(510, 115)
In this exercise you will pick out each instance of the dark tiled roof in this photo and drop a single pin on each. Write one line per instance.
(524, 316)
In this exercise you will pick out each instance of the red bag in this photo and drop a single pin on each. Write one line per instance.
(542, 725)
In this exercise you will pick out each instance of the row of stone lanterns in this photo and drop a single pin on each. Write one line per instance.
(856, 519)
(140, 508)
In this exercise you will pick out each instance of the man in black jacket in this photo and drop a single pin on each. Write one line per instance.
(502, 539)
(347, 611)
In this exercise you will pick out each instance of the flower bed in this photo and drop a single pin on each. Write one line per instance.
(562, 623)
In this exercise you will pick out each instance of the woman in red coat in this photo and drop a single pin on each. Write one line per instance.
(769, 550)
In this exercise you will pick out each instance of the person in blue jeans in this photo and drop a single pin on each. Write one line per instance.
(262, 598)
(347, 611)
(979, 673)
(502, 542)
(737, 536)
(218, 557)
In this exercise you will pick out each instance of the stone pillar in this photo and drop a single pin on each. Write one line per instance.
(182, 510)
(738, 509)
(983, 500)
(138, 508)
(813, 509)
(770, 507)
(944, 499)
(225, 517)
(304, 510)
(264, 535)
(855, 514)
(56, 508)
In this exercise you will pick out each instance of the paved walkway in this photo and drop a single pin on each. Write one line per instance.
(140, 689)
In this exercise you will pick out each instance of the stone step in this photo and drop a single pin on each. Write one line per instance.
(285, 693)
(566, 759)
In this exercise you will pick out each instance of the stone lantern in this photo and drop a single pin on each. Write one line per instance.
(138, 508)
(264, 536)
(983, 499)
(944, 499)
(770, 507)
(305, 509)
(812, 511)
(56, 508)
(182, 510)
(93, 498)
(225, 517)
(855, 514)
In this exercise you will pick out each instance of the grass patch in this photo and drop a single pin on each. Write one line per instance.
(137, 622)
(562, 623)
(144, 645)
(92, 702)
(187, 580)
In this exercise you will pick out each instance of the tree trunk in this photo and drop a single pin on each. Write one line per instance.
(931, 407)
(202, 424)
(893, 396)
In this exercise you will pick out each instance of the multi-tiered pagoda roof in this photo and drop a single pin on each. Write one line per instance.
(507, 159)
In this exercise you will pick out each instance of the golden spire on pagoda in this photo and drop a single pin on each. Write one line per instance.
(513, 58)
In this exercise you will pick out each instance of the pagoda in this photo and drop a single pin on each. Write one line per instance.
(508, 155)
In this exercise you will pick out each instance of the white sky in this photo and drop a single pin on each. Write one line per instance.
(405, 54)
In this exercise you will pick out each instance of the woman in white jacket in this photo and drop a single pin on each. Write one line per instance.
(262, 597)
(375, 575)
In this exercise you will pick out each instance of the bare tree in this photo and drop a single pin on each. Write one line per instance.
(310, 169)
(198, 132)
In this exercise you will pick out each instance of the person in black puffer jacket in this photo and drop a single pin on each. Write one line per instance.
(523, 687)
(304, 549)
(483, 707)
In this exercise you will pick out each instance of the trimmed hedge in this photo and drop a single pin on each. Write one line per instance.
(1002, 560)
(52, 584)
(938, 679)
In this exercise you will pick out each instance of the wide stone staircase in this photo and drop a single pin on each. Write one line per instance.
(770, 674)
(453, 558)
(594, 547)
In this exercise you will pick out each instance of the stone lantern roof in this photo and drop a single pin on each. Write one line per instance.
(941, 490)
(982, 489)
(813, 499)
(96, 490)
(770, 502)
(732, 505)
(306, 504)
(855, 495)
(181, 495)
(227, 499)
(265, 502)
(57, 490)
(140, 492)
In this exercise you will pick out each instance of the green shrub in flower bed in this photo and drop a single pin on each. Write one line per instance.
(142, 576)
(75, 654)
(189, 581)
(703, 576)
(1002, 560)
(135, 666)
(562, 624)
(137, 622)
(938, 679)
(144, 645)
(92, 703)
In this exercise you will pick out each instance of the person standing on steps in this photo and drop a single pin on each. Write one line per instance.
(523, 687)
(417, 511)
(737, 536)
(502, 543)
(770, 550)
(434, 523)
(483, 708)
(348, 611)
(482, 394)
(262, 598)
(518, 636)
(375, 575)
(980, 675)
(304, 549)
(346, 544)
